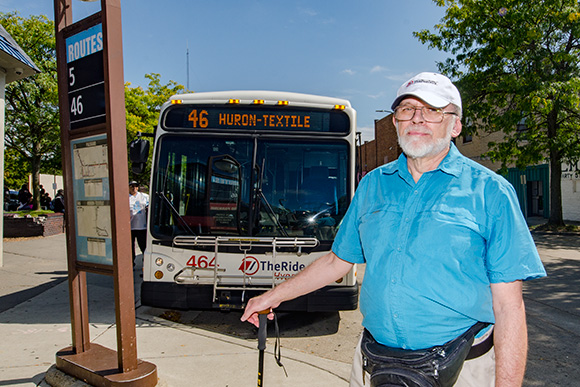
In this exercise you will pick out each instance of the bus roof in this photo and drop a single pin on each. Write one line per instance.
(269, 98)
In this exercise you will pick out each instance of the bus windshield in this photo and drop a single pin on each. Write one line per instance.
(245, 186)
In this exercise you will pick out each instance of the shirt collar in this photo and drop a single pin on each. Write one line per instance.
(451, 164)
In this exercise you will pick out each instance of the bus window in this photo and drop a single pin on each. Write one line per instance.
(306, 185)
(185, 201)
(202, 191)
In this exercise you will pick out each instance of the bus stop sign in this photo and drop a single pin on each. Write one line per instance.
(86, 77)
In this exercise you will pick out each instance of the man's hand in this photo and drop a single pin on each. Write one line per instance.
(258, 304)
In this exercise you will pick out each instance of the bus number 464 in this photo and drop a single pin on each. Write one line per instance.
(202, 262)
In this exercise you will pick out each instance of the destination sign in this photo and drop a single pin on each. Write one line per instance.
(260, 118)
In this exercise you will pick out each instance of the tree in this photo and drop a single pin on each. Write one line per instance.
(517, 61)
(32, 120)
(143, 107)
(16, 169)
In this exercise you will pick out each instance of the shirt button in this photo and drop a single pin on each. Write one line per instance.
(407, 219)
(394, 281)
(416, 192)
(396, 315)
(399, 249)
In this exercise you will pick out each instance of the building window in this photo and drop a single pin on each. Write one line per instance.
(467, 138)
(521, 126)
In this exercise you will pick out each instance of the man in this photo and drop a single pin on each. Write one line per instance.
(444, 242)
(24, 196)
(58, 201)
(138, 203)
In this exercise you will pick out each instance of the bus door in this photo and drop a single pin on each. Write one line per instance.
(223, 194)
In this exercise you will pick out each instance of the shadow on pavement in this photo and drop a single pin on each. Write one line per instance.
(553, 311)
(11, 300)
(228, 323)
(557, 241)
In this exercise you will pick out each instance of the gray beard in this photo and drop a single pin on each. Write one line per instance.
(418, 149)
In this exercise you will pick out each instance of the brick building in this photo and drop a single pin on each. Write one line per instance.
(383, 149)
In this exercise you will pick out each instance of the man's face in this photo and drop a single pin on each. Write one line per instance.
(419, 138)
(133, 189)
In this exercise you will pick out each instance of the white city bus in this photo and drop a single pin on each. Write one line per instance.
(247, 188)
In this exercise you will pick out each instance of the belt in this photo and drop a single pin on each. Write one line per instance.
(481, 348)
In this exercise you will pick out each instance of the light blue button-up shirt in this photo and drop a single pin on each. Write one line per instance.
(432, 248)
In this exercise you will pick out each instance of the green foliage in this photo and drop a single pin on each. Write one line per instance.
(142, 111)
(16, 169)
(32, 121)
(516, 60)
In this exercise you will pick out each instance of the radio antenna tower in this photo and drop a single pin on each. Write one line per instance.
(187, 65)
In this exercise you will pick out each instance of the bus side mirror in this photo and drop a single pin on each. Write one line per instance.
(138, 154)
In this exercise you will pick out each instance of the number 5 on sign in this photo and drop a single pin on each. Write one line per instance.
(76, 106)
(71, 76)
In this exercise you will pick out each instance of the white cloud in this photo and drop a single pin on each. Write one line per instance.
(378, 69)
(376, 96)
(308, 11)
(367, 133)
(349, 72)
(399, 77)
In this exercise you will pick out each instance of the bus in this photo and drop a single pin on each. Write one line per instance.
(247, 188)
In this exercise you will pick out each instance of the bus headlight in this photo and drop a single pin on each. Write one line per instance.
(170, 267)
(158, 274)
(159, 261)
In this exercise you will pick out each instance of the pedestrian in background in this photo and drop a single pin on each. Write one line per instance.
(138, 203)
(446, 249)
(24, 197)
(58, 201)
(45, 200)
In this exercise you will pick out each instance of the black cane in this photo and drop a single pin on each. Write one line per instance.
(262, 335)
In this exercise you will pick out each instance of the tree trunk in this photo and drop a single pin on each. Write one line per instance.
(556, 218)
(35, 170)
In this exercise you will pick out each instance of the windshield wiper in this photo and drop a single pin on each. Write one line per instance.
(269, 208)
(175, 212)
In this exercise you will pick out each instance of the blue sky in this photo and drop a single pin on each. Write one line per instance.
(358, 50)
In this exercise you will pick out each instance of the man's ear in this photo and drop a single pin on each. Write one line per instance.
(456, 131)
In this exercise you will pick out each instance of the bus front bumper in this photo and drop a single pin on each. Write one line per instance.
(199, 297)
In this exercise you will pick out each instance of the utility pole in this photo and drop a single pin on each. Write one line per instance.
(187, 65)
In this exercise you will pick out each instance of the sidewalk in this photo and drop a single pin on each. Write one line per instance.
(35, 329)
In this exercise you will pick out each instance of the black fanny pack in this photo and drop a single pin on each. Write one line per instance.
(437, 366)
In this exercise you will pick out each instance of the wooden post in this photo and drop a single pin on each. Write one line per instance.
(90, 77)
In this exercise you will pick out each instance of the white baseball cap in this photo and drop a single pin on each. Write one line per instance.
(435, 89)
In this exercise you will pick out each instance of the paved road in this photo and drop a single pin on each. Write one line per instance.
(553, 312)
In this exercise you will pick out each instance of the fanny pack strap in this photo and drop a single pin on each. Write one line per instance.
(474, 330)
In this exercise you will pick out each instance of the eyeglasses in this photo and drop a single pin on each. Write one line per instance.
(407, 112)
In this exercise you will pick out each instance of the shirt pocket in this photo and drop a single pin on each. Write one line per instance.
(450, 231)
(378, 230)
